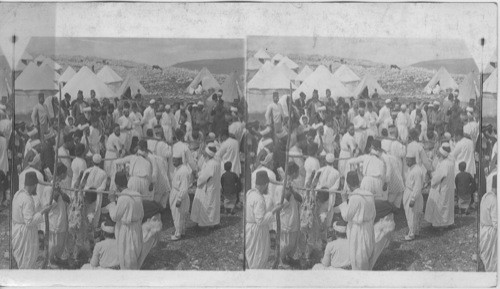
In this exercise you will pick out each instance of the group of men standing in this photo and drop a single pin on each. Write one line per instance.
(358, 163)
(118, 165)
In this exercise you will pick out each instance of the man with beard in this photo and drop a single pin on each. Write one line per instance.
(25, 221)
(257, 243)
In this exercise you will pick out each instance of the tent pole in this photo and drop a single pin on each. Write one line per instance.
(480, 171)
(12, 135)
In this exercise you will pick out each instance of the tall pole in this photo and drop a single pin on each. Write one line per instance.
(480, 171)
(12, 135)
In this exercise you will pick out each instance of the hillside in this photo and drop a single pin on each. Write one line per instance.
(170, 82)
(456, 66)
(215, 66)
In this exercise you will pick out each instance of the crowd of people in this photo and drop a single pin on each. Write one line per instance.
(119, 169)
(337, 171)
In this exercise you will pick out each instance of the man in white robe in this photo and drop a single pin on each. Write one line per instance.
(149, 113)
(360, 216)
(384, 114)
(360, 129)
(179, 198)
(471, 128)
(257, 219)
(329, 178)
(403, 123)
(274, 114)
(488, 226)
(96, 179)
(348, 149)
(128, 213)
(413, 200)
(439, 210)
(168, 124)
(464, 152)
(229, 151)
(394, 177)
(26, 218)
(78, 166)
(374, 171)
(142, 171)
(206, 204)
(40, 115)
(125, 129)
(161, 154)
(114, 148)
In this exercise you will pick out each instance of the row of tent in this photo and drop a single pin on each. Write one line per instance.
(342, 83)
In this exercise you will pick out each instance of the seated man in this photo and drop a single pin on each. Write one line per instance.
(336, 255)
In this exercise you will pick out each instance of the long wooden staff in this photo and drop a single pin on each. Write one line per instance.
(278, 220)
(46, 239)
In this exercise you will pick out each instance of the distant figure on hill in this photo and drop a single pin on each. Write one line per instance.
(375, 94)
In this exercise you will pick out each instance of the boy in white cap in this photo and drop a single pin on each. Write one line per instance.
(439, 210)
(105, 255)
(179, 198)
(97, 178)
(336, 255)
(412, 197)
(206, 203)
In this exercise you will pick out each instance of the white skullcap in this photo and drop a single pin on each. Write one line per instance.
(97, 159)
(234, 109)
(107, 229)
(321, 108)
(195, 105)
(430, 105)
(339, 228)
(388, 101)
(152, 101)
(200, 103)
(86, 109)
(83, 126)
(177, 152)
(167, 106)
(403, 106)
(436, 103)
(469, 109)
(32, 132)
(330, 158)
(447, 135)
(211, 135)
(211, 149)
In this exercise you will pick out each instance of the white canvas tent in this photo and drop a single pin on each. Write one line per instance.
(260, 75)
(290, 63)
(276, 59)
(5, 88)
(443, 78)
(262, 55)
(491, 84)
(52, 64)
(20, 66)
(306, 71)
(39, 59)
(253, 64)
(345, 74)
(282, 68)
(468, 89)
(321, 80)
(367, 87)
(207, 81)
(32, 81)
(85, 80)
(67, 75)
(134, 84)
(230, 88)
(108, 75)
(44, 68)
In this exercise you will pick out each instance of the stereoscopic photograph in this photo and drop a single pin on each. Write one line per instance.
(366, 155)
(128, 154)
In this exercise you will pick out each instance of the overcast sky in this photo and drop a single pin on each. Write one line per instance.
(401, 51)
(151, 51)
